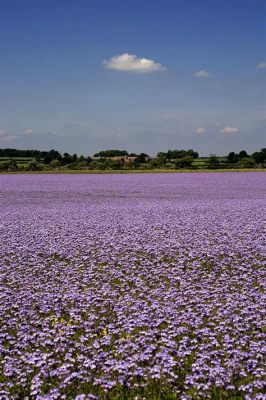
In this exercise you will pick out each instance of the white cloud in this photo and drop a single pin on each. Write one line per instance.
(6, 136)
(28, 132)
(200, 131)
(202, 74)
(229, 130)
(261, 65)
(132, 63)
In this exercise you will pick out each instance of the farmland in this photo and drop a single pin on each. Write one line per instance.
(138, 286)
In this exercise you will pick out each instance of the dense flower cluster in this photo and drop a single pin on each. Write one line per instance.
(133, 286)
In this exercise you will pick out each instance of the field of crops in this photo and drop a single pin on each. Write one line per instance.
(133, 287)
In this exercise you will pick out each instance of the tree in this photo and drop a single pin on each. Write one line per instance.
(184, 162)
(97, 165)
(192, 153)
(213, 161)
(177, 154)
(51, 155)
(111, 153)
(11, 165)
(82, 164)
(140, 159)
(161, 156)
(35, 166)
(115, 164)
(4, 165)
(19, 153)
(232, 158)
(54, 164)
(242, 154)
(247, 162)
(74, 158)
(66, 159)
(156, 162)
(260, 156)
(88, 160)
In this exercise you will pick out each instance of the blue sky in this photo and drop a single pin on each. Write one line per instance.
(73, 75)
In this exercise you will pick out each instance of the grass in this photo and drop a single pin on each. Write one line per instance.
(26, 159)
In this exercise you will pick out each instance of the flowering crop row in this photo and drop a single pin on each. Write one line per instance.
(133, 287)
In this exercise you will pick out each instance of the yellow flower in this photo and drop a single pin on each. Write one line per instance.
(54, 321)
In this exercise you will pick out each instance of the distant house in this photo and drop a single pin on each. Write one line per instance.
(126, 159)
(130, 159)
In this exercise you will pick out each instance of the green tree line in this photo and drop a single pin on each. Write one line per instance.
(36, 160)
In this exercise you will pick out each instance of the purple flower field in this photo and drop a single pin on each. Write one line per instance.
(148, 286)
